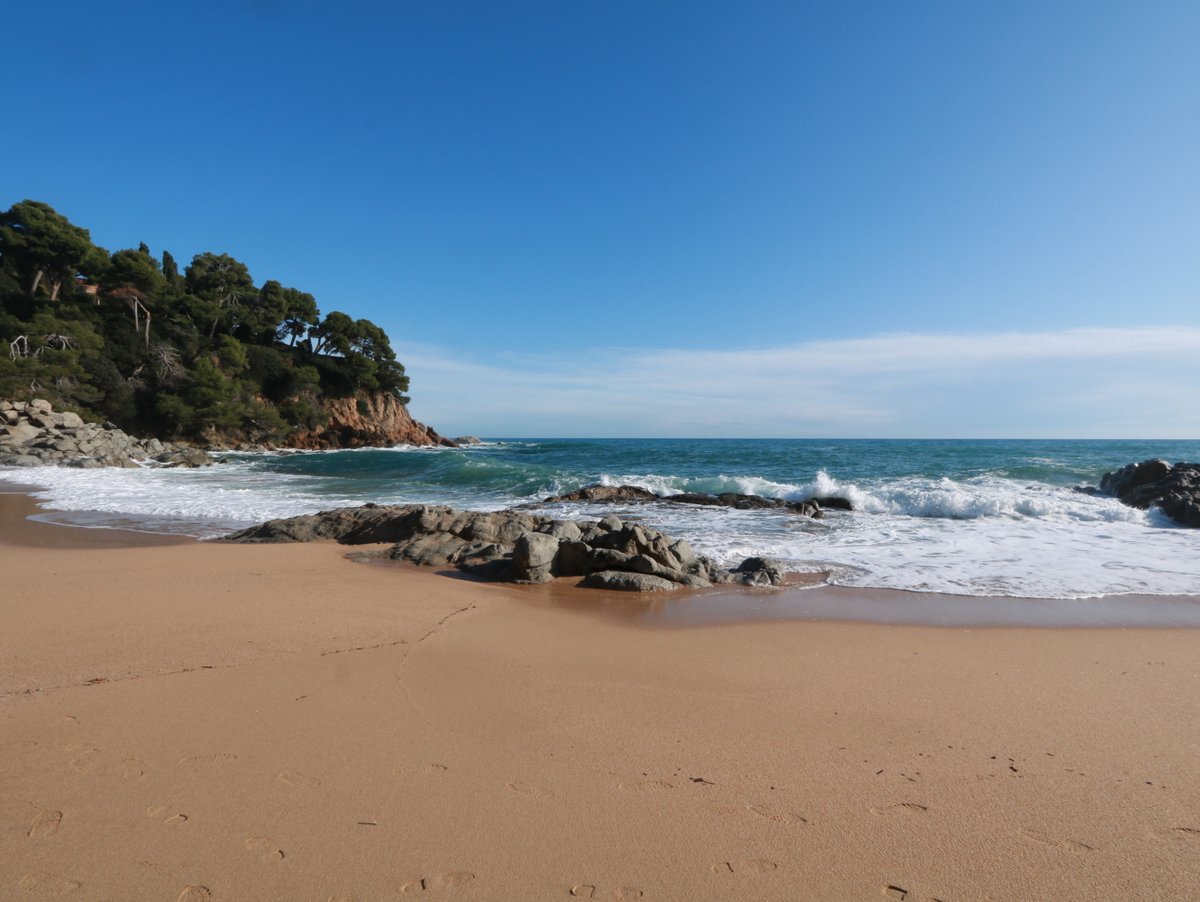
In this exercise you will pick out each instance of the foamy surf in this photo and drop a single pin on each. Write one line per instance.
(989, 519)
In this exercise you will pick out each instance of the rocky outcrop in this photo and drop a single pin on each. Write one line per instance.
(33, 435)
(1156, 483)
(632, 494)
(511, 545)
(468, 440)
(367, 419)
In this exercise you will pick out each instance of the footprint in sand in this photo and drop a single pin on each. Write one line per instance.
(47, 885)
(756, 865)
(198, 761)
(302, 781)
(647, 786)
(45, 823)
(1070, 845)
(264, 848)
(592, 891)
(901, 808)
(526, 789)
(86, 761)
(409, 770)
(194, 893)
(174, 819)
(448, 880)
(773, 814)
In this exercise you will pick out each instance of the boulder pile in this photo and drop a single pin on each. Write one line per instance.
(632, 494)
(510, 545)
(1156, 483)
(33, 435)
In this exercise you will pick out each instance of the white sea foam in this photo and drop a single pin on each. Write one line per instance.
(981, 536)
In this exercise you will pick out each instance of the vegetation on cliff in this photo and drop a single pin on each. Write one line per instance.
(200, 353)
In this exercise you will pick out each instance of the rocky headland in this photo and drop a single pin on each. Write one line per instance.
(1175, 489)
(514, 546)
(33, 435)
(367, 419)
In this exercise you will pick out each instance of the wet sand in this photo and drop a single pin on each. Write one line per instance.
(181, 720)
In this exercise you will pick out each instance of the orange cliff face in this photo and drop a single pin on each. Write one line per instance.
(368, 419)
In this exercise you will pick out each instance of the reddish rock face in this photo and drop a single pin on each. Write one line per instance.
(364, 419)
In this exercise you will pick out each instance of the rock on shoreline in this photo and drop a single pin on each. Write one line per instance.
(510, 545)
(33, 435)
(1156, 483)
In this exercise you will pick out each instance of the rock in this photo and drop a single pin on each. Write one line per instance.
(533, 557)
(622, 581)
(515, 545)
(468, 440)
(20, 433)
(606, 494)
(19, 460)
(631, 494)
(759, 571)
(1155, 483)
(71, 420)
(40, 405)
(830, 502)
(567, 530)
(610, 523)
(367, 419)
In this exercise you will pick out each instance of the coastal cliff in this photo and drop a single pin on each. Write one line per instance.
(366, 419)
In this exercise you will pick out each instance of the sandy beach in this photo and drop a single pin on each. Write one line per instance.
(188, 721)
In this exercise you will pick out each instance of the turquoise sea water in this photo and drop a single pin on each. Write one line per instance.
(966, 517)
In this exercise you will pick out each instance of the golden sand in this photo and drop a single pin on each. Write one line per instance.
(187, 721)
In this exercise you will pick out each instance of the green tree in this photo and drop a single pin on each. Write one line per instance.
(221, 283)
(43, 246)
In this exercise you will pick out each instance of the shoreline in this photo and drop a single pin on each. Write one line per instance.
(200, 721)
(721, 605)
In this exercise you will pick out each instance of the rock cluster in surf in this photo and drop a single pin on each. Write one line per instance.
(33, 435)
(510, 545)
(632, 494)
(1156, 483)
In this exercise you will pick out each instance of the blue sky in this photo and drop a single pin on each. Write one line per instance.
(586, 218)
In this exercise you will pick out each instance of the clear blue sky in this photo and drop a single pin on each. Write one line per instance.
(544, 203)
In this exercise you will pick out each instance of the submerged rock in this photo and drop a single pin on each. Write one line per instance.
(511, 545)
(1156, 483)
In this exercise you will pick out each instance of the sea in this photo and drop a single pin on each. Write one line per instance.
(972, 518)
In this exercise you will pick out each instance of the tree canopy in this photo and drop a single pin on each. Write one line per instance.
(201, 354)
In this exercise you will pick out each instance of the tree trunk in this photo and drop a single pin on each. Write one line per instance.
(54, 289)
(37, 280)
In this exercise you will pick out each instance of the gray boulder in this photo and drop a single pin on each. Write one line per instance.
(623, 581)
(533, 557)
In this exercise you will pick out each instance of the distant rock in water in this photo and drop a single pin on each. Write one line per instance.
(509, 545)
(468, 440)
(1156, 483)
(632, 494)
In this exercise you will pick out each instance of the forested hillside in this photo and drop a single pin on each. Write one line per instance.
(204, 352)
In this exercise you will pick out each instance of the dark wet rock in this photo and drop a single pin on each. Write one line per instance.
(512, 545)
(631, 494)
(833, 503)
(606, 494)
(1175, 489)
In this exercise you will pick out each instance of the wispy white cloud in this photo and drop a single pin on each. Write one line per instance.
(1087, 382)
